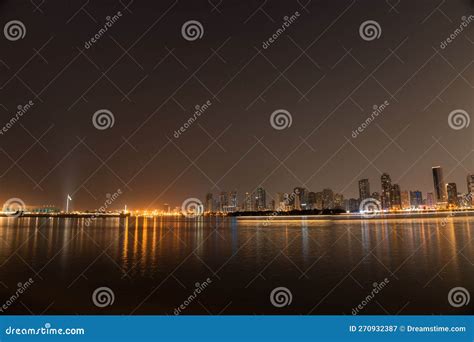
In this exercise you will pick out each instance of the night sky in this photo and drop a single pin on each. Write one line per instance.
(143, 71)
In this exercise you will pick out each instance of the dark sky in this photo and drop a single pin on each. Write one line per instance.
(320, 70)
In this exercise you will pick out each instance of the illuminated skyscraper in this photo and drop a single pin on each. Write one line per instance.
(385, 198)
(364, 189)
(430, 200)
(339, 201)
(452, 194)
(439, 185)
(328, 199)
(396, 197)
(405, 200)
(416, 199)
(209, 203)
(470, 186)
(260, 199)
(248, 202)
(223, 201)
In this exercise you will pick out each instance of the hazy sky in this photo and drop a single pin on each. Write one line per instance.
(320, 70)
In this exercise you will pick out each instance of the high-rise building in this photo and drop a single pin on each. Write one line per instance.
(376, 196)
(319, 201)
(209, 203)
(328, 199)
(352, 205)
(405, 200)
(416, 199)
(260, 199)
(311, 200)
(233, 202)
(280, 201)
(452, 194)
(339, 201)
(396, 197)
(385, 197)
(248, 202)
(439, 185)
(470, 187)
(364, 189)
(300, 198)
(430, 200)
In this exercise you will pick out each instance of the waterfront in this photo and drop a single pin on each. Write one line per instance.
(152, 265)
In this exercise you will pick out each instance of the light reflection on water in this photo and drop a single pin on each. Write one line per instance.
(329, 264)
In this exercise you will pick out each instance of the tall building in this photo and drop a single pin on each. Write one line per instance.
(396, 197)
(311, 200)
(328, 199)
(385, 197)
(470, 187)
(430, 200)
(280, 201)
(352, 205)
(452, 194)
(248, 202)
(364, 189)
(209, 203)
(439, 185)
(223, 201)
(376, 196)
(233, 201)
(260, 199)
(319, 201)
(405, 200)
(416, 199)
(339, 201)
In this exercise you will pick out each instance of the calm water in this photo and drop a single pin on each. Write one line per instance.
(153, 265)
